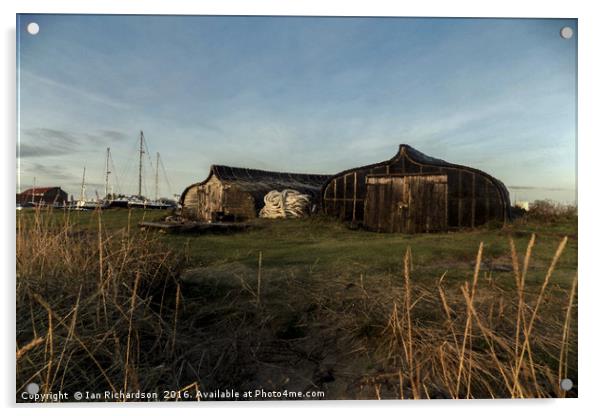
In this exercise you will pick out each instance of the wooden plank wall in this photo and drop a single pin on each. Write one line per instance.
(204, 202)
(190, 203)
(210, 199)
(238, 204)
(408, 204)
(426, 201)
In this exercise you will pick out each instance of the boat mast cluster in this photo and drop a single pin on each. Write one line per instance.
(110, 200)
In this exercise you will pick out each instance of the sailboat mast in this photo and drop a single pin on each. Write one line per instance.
(140, 164)
(157, 179)
(83, 191)
(107, 172)
(33, 192)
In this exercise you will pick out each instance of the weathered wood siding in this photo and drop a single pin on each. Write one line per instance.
(238, 204)
(406, 204)
(201, 200)
(190, 203)
(473, 197)
(211, 198)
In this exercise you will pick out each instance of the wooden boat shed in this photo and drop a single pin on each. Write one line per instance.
(236, 194)
(413, 192)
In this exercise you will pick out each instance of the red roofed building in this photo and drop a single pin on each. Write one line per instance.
(43, 195)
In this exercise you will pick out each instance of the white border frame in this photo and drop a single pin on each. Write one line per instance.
(589, 71)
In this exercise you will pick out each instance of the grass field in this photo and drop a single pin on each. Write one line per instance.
(328, 246)
(297, 305)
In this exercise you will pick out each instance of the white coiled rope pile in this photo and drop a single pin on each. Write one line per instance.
(286, 204)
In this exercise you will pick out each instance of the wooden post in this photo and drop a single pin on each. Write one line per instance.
(474, 200)
(198, 202)
(354, 193)
(460, 198)
(446, 198)
(334, 195)
(344, 195)
(487, 207)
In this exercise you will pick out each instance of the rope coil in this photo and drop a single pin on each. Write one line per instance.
(286, 204)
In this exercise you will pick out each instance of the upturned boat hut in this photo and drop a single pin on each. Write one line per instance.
(236, 194)
(413, 192)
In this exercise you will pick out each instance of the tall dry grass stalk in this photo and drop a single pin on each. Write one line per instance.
(259, 265)
(414, 377)
(528, 330)
(565, 346)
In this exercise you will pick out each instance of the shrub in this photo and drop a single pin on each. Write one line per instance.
(549, 211)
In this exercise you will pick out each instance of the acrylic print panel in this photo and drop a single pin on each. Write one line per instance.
(283, 208)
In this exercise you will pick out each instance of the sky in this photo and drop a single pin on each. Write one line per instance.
(299, 94)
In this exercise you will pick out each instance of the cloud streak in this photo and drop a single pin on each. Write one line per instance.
(40, 142)
(32, 78)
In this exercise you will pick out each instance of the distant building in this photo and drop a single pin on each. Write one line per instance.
(522, 204)
(53, 195)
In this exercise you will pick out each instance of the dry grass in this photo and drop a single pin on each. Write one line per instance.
(93, 309)
(108, 311)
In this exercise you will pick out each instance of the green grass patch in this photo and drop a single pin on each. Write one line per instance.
(326, 246)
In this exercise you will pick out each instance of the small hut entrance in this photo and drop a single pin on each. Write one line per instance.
(406, 203)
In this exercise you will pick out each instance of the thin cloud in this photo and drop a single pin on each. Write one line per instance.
(116, 136)
(87, 95)
(542, 188)
(43, 133)
(50, 174)
(30, 151)
(42, 141)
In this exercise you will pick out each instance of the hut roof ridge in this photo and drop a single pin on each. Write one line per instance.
(258, 182)
(225, 172)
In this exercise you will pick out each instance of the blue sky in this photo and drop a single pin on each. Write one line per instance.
(315, 95)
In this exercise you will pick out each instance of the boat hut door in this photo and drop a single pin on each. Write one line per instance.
(406, 203)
